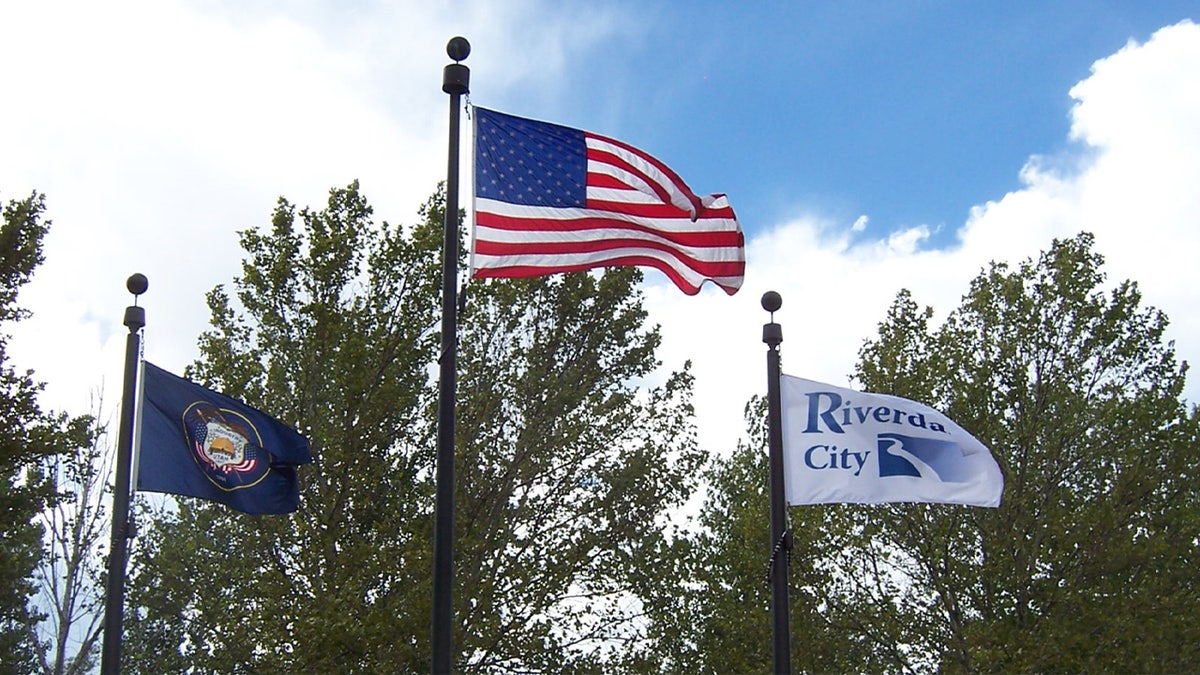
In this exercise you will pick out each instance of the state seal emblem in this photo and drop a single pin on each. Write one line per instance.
(226, 446)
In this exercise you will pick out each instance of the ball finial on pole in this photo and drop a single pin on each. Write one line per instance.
(456, 77)
(137, 283)
(135, 317)
(772, 332)
(771, 301)
(458, 48)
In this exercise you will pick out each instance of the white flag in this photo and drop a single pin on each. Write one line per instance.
(841, 445)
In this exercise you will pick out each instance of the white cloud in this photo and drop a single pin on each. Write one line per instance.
(1132, 181)
(1138, 119)
(157, 129)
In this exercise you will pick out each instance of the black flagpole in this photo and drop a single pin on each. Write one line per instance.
(781, 538)
(456, 80)
(114, 598)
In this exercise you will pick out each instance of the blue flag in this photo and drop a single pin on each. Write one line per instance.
(199, 443)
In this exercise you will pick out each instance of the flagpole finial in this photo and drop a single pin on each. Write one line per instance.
(135, 317)
(456, 78)
(458, 48)
(771, 301)
(137, 284)
(772, 332)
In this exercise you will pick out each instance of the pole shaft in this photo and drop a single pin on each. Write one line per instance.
(455, 84)
(780, 629)
(114, 599)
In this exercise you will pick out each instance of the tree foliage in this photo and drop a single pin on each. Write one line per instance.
(721, 622)
(567, 473)
(28, 435)
(565, 468)
(329, 328)
(1089, 562)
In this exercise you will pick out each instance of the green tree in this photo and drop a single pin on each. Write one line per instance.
(28, 435)
(565, 468)
(1089, 563)
(330, 327)
(568, 474)
(721, 622)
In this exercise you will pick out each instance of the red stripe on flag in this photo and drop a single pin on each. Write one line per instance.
(730, 238)
(517, 271)
(658, 210)
(703, 267)
(604, 180)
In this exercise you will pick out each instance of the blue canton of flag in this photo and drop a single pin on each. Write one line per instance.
(531, 163)
(200, 443)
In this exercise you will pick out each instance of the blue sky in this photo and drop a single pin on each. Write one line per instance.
(910, 112)
(866, 146)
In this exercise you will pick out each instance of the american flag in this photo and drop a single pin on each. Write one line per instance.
(550, 199)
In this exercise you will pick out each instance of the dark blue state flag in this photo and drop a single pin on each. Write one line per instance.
(200, 443)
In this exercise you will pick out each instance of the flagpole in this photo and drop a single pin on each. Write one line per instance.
(456, 80)
(781, 537)
(114, 599)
